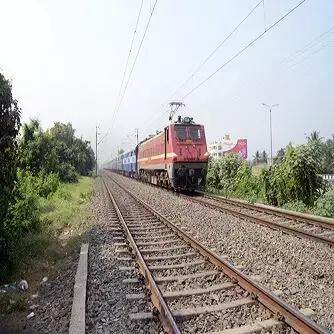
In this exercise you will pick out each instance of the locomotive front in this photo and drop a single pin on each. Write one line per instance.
(189, 167)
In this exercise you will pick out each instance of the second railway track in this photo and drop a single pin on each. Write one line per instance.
(193, 289)
(305, 226)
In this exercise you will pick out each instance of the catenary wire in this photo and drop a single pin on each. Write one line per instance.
(155, 119)
(134, 63)
(243, 50)
(217, 48)
(126, 67)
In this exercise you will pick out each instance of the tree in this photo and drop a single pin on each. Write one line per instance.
(257, 157)
(328, 156)
(314, 137)
(280, 155)
(10, 124)
(9, 128)
(56, 150)
(264, 157)
(295, 178)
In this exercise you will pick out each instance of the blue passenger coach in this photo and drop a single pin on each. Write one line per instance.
(124, 163)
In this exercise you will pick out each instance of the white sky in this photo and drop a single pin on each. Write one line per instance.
(66, 59)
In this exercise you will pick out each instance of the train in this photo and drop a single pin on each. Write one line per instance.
(175, 158)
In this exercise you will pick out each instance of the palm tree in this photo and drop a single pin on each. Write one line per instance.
(314, 136)
(257, 157)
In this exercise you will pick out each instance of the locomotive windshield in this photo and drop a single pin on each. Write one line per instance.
(188, 132)
(195, 132)
(181, 132)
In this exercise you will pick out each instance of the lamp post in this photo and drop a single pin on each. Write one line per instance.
(271, 131)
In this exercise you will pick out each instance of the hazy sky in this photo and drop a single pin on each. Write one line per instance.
(66, 60)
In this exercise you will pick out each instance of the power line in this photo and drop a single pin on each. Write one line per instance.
(243, 49)
(134, 63)
(216, 49)
(311, 44)
(205, 61)
(129, 54)
(126, 67)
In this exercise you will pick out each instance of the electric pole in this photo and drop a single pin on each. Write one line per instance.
(136, 136)
(271, 131)
(96, 151)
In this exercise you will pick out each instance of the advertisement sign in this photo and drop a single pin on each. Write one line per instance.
(238, 146)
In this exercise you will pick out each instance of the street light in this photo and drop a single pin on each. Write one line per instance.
(271, 132)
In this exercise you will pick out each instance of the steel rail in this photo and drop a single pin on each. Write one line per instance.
(257, 220)
(263, 221)
(165, 314)
(288, 214)
(281, 309)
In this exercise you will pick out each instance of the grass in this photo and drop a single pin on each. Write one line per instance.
(68, 207)
(65, 217)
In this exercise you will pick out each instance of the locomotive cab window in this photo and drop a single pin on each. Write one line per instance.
(181, 132)
(195, 132)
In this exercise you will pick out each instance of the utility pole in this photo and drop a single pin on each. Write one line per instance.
(96, 151)
(136, 136)
(271, 131)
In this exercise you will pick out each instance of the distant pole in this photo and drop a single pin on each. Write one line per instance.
(271, 131)
(271, 139)
(96, 151)
(137, 136)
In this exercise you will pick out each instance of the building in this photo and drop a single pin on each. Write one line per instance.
(226, 145)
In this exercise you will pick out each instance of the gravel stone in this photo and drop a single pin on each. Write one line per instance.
(108, 309)
(302, 270)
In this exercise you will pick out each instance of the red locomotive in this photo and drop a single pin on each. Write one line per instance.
(175, 158)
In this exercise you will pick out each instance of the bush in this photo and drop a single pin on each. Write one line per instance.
(324, 206)
(67, 173)
(46, 184)
(245, 184)
(295, 178)
(296, 206)
(24, 213)
(222, 172)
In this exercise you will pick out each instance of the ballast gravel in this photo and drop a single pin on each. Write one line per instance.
(108, 309)
(300, 271)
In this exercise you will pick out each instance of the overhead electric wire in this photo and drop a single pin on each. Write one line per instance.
(126, 67)
(134, 63)
(206, 60)
(129, 54)
(217, 48)
(243, 49)
(314, 42)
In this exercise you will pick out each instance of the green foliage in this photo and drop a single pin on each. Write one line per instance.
(24, 212)
(294, 182)
(296, 206)
(233, 177)
(324, 206)
(221, 173)
(295, 178)
(9, 128)
(55, 151)
(245, 184)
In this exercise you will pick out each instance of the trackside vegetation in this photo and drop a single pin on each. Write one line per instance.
(44, 183)
(293, 182)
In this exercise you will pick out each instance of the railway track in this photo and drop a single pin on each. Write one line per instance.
(319, 229)
(193, 289)
(301, 225)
